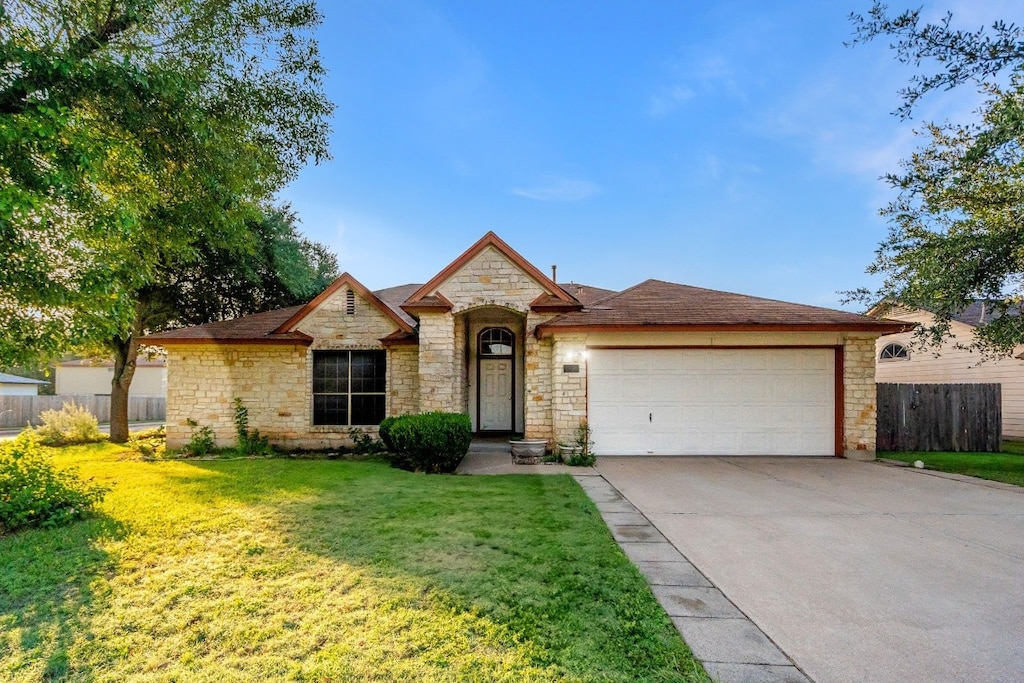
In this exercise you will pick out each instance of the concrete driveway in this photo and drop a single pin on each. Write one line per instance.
(858, 571)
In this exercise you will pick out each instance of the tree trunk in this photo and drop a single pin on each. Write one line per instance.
(126, 353)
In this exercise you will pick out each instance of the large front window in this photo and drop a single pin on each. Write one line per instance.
(348, 387)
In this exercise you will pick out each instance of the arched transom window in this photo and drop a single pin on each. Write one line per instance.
(496, 341)
(894, 352)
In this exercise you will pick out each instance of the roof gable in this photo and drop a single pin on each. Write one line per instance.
(345, 280)
(489, 241)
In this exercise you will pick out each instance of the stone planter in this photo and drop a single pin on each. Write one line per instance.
(528, 451)
(567, 452)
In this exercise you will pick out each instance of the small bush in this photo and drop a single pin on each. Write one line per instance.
(201, 443)
(72, 424)
(35, 493)
(151, 444)
(431, 442)
(363, 443)
(250, 441)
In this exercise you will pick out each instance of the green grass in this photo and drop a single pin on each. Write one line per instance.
(267, 570)
(1006, 467)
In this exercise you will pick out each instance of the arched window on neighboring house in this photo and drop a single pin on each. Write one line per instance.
(894, 352)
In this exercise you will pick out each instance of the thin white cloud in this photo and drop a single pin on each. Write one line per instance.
(668, 99)
(689, 78)
(559, 190)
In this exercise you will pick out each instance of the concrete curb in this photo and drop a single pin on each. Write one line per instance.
(731, 647)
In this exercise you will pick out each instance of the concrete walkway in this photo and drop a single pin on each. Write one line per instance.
(731, 647)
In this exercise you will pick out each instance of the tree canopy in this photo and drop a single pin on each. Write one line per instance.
(139, 138)
(956, 228)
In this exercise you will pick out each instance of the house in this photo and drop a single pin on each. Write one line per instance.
(13, 385)
(898, 361)
(85, 377)
(659, 368)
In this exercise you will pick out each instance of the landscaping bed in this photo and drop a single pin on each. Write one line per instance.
(318, 570)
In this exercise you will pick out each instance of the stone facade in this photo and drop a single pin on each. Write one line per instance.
(439, 370)
(203, 381)
(403, 380)
(859, 398)
(568, 389)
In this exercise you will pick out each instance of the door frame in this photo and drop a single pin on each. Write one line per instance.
(480, 360)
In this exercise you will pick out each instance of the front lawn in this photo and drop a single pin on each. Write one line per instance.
(1004, 467)
(260, 570)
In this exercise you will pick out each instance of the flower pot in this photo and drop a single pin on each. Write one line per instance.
(528, 451)
(569, 451)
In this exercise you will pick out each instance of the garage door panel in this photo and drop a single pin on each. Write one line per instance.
(713, 402)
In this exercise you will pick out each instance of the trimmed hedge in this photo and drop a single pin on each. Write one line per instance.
(431, 442)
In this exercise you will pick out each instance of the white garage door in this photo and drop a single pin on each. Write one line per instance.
(712, 401)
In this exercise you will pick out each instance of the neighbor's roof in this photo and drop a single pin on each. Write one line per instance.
(141, 362)
(666, 305)
(16, 379)
(981, 312)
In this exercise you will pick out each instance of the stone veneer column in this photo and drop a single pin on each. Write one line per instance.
(859, 396)
(403, 369)
(568, 389)
(437, 369)
(538, 383)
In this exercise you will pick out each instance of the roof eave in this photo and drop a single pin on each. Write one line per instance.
(544, 330)
(295, 339)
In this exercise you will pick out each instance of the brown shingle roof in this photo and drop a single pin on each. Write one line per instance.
(585, 294)
(659, 304)
(257, 328)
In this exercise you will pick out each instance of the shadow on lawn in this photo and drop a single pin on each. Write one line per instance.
(46, 588)
(527, 552)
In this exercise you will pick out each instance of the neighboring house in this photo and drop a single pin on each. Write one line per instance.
(13, 385)
(660, 368)
(898, 361)
(85, 377)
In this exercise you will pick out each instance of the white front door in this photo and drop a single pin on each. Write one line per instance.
(496, 395)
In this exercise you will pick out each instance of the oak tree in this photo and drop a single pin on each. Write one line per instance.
(137, 137)
(956, 227)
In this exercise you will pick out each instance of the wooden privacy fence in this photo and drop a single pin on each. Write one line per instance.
(18, 411)
(939, 417)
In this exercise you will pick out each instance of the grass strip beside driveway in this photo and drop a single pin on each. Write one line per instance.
(328, 571)
(1005, 467)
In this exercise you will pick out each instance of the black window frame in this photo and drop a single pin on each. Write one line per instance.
(335, 391)
(496, 336)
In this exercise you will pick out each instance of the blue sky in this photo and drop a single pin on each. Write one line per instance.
(729, 145)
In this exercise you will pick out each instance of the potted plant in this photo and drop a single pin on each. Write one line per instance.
(580, 452)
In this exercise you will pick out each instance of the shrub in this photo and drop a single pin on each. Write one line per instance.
(201, 442)
(250, 441)
(72, 424)
(384, 432)
(584, 452)
(35, 493)
(363, 443)
(431, 442)
(151, 444)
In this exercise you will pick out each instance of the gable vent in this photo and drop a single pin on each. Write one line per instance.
(350, 302)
